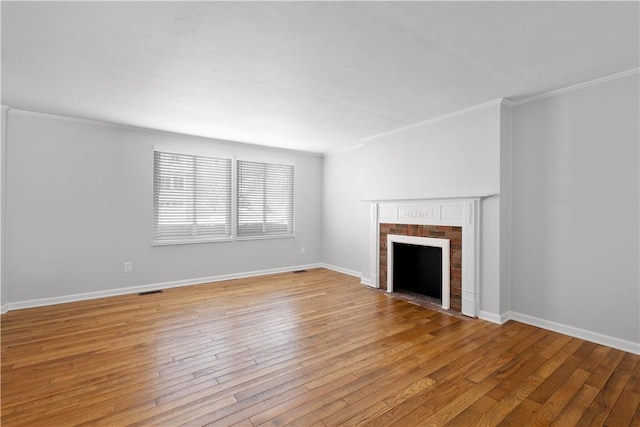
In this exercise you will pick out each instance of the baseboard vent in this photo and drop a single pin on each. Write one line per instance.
(157, 291)
(300, 271)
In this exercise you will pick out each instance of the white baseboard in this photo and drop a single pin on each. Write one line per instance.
(135, 289)
(494, 318)
(347, 272)
(4, 308)
(620, 344)
(342, 270)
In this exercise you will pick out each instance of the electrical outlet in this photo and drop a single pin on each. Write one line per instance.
(128, 267)
(302, 250)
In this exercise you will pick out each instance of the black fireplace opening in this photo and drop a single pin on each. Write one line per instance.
(418, 269)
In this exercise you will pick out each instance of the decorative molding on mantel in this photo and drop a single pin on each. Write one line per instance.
(456, 211)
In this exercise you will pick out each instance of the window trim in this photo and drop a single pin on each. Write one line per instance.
(155, 207)
(266, 236)
(234, 187)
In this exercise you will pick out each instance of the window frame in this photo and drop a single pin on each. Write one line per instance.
(204, 238)
(266, 235)
(233, 197)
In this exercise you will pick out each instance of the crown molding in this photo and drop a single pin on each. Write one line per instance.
(578, 86)
(342, 150)
(495, 102)
(151, 130)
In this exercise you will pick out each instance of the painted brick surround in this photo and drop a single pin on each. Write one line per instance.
(453, 233)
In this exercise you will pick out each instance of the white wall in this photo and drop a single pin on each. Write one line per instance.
(575, 211)
(456, 155)
(505, 209)
(345, 218)
(79, 204)
(3, 183)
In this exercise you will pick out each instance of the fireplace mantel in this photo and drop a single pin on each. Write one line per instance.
(433, 198)
(452, 211)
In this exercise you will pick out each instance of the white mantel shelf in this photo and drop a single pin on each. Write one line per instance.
(460, 211)
(430, 198)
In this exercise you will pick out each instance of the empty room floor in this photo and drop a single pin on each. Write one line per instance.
(307, 349)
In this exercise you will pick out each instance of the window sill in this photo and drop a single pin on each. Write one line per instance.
(273, 236)
(227, 239)
(190, 242)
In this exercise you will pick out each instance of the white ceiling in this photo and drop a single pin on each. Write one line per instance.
(314, 76)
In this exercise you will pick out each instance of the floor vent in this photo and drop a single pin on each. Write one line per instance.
(300, 271)
(150, 292)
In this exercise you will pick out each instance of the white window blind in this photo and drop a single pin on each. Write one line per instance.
(191, 198)
(265, 199)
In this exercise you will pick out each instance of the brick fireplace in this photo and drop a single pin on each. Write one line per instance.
(452, 233)
(454, 219)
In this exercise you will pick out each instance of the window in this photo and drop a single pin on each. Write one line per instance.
(191, 198)
(265, 199)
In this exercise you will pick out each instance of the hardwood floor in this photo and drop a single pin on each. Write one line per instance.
(307, 349)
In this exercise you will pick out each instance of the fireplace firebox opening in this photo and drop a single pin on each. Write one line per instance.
(445, 257)
(418, 269)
